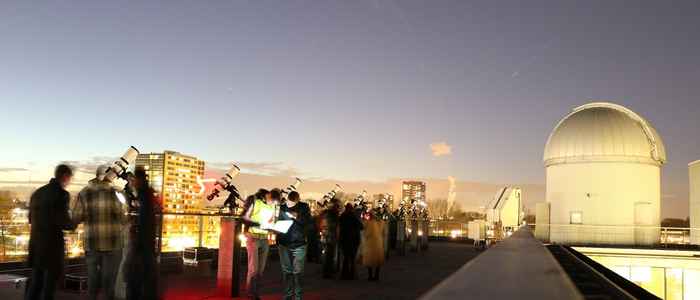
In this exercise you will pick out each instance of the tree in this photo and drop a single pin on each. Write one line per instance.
(438, 207)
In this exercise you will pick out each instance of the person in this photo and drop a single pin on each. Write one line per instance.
(350, 235)
(98, 206)
(257, 244)
(373, 247)
(329, 228)
(49, 216)
(292, 244)
(140, 267)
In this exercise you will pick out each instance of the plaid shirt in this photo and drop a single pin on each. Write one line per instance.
(104, 217)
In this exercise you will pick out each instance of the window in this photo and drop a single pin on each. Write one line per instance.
(576, 217)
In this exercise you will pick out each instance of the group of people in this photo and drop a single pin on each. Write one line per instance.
(106, 213)
(119, 236)
(345, 231)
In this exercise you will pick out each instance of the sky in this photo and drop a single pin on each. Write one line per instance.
(346, 90)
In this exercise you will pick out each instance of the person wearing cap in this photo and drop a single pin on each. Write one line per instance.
(103, 214)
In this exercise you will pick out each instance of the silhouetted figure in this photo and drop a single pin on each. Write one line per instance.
(103, 215)
(313, 251)
(393, 230)
(329, 240)
(48, 215)
(350, 236)
(373, 247)
(140, 267)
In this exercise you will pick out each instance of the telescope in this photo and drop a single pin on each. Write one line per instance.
(330, 195)
(293, 187)
(119, 168)
(226, 183)
(360, 200)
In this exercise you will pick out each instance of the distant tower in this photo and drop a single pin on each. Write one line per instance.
(694, 174)
(603, 168)
(413, 190)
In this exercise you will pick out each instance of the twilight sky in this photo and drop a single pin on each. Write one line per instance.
(351, 90)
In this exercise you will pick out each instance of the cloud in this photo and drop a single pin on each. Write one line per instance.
(90, 165)
(266, 168)
(10, 169)
(440, 149)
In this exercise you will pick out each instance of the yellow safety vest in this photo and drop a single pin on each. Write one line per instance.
(256, 216)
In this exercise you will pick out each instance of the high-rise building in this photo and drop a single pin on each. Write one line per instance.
(174, 176)
(413, 190)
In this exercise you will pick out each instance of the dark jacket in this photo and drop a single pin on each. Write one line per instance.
(296, 236)
(146, 220)
(48, 215)
(350, 230)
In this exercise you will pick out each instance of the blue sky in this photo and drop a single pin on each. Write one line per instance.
(354, 90)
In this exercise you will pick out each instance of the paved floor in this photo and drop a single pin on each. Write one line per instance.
(405, 277)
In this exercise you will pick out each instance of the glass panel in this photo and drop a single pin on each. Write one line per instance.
(674, 284)
(691, 284)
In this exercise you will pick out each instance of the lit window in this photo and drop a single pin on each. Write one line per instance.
(576, 217)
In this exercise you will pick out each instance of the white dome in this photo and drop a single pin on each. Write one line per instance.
(604, 132)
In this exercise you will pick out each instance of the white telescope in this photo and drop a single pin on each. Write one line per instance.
(119, 167)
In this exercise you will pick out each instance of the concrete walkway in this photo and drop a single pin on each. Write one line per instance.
(405, 277)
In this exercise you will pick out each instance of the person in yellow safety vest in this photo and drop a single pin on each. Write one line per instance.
(257, 207)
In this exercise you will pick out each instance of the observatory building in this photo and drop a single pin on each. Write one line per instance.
(603, 168)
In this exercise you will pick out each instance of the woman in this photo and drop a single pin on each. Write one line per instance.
(350, 230)
(373, 247)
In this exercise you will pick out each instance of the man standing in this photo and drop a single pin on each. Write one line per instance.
(140, 268)
(48, 215)
(98, 206)
(292, 245)
(257, 246)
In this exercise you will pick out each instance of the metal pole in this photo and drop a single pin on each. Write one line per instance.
(201, 229)
(236, 272)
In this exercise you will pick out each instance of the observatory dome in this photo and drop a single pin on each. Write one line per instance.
(604, 132)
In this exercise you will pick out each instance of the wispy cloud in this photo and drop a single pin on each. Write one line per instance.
(266, 168)
(10, 169)
(440, 149)
(89, 166)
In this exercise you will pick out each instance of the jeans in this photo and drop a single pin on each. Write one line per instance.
(102, 267)
(257, 258)
(42, 284)
(292, 262)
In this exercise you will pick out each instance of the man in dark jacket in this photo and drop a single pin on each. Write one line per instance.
(141, 268)
(292, 244)
(48, 215)
(350, 236)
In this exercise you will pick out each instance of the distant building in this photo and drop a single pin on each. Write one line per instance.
(603, 172)
(506, 209)
(694, 174)
(411, 190)
(174, 176)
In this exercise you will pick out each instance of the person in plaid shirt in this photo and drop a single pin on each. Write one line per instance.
(103, 215)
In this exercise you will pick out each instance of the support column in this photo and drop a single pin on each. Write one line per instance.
(229, 272)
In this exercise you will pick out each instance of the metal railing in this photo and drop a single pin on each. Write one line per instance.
(621, 235)
(177, 232)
